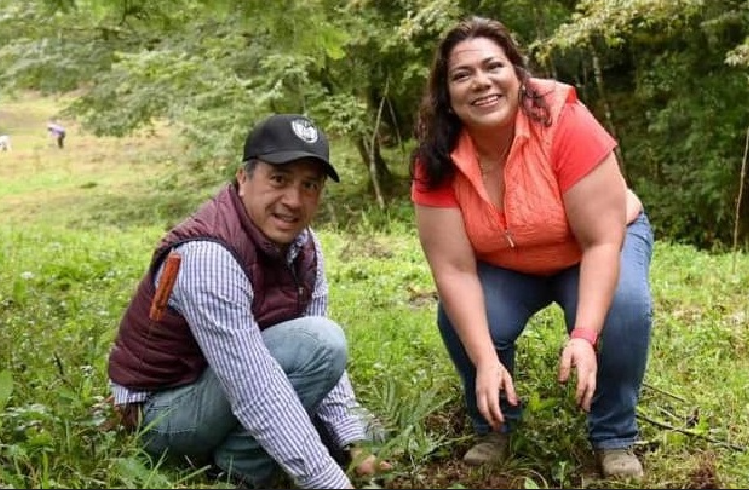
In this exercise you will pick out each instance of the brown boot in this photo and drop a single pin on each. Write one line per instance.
(620, 464)
(493, 447)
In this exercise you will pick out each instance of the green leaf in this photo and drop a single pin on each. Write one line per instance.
(333, 41)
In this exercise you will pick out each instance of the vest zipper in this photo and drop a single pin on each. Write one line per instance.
(509, 238)
(299, 288)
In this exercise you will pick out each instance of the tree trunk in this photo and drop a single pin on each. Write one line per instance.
(372, 158)
(540, 25)
(606, 107)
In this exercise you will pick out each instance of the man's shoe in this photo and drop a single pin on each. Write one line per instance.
(620, 464)
(493, 447)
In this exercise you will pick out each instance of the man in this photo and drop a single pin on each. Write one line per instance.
(56, 131)
(244, 368)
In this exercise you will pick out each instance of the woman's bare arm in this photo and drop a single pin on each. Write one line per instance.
(453, 263)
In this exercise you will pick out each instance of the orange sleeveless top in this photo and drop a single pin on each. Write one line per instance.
(531, 234)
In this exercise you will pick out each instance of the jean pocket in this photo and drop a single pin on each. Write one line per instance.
(171, 428)
(171, 411)
(190, 420)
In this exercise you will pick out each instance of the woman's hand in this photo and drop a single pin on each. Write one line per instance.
(491, 377)
(634, 206)
(579, 353)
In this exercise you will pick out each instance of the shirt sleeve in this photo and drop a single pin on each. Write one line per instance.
(442, 196)
(215, 297)
(338, 410)
(318, 305)
(580, 144)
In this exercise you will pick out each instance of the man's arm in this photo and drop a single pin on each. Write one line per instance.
(214, 295)
(339, 410)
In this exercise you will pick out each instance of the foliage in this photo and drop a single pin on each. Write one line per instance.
(672, 71)
(70, 257)
(672, 81)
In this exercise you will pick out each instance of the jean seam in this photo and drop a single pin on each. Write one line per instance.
(614, 443)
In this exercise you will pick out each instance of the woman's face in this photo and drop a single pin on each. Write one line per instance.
(483, 86)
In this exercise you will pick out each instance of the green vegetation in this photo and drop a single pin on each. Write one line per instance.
(78, 227)
(157, 97)
(667, 78)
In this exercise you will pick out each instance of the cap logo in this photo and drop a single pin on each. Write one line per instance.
(304, 130)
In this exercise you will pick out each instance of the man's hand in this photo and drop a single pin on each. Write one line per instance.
(367, 464)
(491, 377)
(580, 354)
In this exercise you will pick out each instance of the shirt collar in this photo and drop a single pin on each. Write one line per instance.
(296, 246)
(466, 158)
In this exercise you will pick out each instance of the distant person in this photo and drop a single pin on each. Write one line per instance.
(520, 203)
(58, 132)
(246, 369)
(5, 142)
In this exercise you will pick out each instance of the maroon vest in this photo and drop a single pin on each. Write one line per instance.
(149, 355)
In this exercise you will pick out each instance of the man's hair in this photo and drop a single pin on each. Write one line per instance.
(249, 166)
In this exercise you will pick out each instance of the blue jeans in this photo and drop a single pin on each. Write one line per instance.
(197, 420)
(512, 298)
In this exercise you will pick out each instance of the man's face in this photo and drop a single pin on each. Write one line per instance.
(282, 199)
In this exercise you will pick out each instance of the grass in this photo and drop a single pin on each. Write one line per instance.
(78, 227)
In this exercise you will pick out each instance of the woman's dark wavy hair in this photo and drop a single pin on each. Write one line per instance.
(437, 128)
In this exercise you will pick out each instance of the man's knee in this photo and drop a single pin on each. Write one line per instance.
(309, 343)
(332, 343)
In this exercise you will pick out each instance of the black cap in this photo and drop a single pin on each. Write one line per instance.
(282, 138)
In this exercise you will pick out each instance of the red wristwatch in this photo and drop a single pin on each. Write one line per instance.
(586, 334)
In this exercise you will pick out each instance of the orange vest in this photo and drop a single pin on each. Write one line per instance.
(532, 235)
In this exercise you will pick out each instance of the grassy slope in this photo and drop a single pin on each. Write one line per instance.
(77, 229)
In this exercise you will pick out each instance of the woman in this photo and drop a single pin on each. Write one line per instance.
(520, 203)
